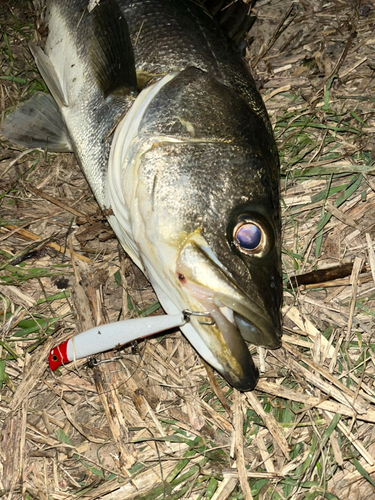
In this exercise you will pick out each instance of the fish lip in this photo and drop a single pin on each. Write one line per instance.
(255, 326)
(269, 341)
(245, 383)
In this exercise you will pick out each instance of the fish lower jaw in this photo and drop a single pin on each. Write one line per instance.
(220, 334)
(231, 349)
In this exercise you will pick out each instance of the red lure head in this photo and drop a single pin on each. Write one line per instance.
(58, 356)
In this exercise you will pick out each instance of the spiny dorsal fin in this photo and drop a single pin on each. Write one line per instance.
(233, 16)
(111, 51)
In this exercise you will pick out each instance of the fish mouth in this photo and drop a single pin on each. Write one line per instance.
(235, 316)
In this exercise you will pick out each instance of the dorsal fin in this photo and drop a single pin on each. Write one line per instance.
(111, 49)
(233, 16)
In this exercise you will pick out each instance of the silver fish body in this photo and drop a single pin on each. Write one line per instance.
(191, 175)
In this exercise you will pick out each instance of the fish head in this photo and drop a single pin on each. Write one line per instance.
(236, 269)
(206, 219)
(230, 268)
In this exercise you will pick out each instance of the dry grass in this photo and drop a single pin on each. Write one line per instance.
(155, 422)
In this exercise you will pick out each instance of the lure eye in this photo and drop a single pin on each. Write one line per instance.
(251, 238)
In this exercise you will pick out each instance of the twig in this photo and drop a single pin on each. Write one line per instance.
(278, 31)
(28, 235)
(357, 266)
(239, 445)
(53, 200)
(217, 389)
(270, 423)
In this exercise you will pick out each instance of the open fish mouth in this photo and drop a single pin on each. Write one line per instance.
(233, 317)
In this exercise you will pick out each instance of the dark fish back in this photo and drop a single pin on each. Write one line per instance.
(172, 35)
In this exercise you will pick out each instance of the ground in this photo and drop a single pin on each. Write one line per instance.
(157, 423)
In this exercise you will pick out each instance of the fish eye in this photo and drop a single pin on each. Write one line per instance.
(248, 237)
(251, 236)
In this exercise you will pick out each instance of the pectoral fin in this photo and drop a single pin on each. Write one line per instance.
(37, 123)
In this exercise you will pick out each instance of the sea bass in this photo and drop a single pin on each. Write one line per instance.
(173, 137)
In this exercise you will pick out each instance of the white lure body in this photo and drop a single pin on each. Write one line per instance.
(105, 337)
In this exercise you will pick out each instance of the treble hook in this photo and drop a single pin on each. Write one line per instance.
(92, 362)
(187, 313)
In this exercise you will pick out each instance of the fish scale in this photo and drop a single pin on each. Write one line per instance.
(186, 36)
(191, 161)
(80, 79)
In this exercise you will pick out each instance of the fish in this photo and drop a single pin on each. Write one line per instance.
(174, 139)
